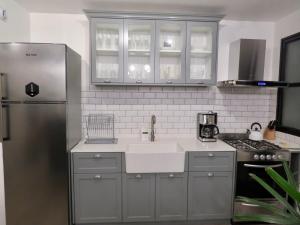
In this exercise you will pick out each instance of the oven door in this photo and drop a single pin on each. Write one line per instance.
(248, 187)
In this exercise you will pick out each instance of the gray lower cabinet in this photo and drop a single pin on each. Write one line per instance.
(211, 161)
(138, 197)
(97, 162)
(210, 195)
(171, 196)
(97, 198)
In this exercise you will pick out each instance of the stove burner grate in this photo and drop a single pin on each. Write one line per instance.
(250, 145)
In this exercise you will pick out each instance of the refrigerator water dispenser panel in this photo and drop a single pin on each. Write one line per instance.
(32, 89)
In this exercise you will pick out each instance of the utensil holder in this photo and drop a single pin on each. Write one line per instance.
(269, 134)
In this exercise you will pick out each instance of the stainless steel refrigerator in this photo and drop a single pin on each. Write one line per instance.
(40, 120)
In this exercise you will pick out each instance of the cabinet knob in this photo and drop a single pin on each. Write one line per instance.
(107, 81)
(171, 175)
(139, 81)
(210, 174)
(97, 156)
(97, 177)
(211, 155)
(169, 82)
(139, 176)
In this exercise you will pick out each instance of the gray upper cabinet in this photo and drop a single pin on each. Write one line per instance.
(210, 195)
(201, 52)
(107, 50)
(147, 49)
(138, 197)
(171, 196)
(97, 198)
(170, 52)
(139, 42)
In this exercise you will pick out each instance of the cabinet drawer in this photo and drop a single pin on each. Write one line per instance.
(207, 161)
(97, 162)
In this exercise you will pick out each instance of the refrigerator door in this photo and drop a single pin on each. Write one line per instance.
(33, 72)
(35, 164)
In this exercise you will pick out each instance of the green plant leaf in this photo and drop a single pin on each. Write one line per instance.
(290, 175)
(291, 179)
(270, 207)
(267, 219)
(275, 194)
(284, 185)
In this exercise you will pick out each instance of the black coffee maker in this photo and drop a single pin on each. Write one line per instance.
(207, 129)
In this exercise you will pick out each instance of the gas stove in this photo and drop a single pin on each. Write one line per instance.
(249, 150)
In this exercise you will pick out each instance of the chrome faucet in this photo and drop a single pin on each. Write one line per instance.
(153, 121)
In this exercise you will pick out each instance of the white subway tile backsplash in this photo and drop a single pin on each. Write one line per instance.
(176, 107)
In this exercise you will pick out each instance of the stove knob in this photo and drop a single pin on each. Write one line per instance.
(268, 157)
(274, 157)
(262, 157)
(256, 157)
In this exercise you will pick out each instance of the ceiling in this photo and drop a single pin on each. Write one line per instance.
(264, 10)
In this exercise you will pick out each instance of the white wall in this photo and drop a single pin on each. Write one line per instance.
(233, 30)
(285, 27)
(71, 29)
(16, 27)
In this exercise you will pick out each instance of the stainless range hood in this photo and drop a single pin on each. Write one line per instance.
(246, 65)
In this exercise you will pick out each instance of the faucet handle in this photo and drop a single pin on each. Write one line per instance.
(153, 119)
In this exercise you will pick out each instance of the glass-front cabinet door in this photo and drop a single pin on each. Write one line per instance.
(170, 52)
(107, 50)
(201, 52)
(139, 36)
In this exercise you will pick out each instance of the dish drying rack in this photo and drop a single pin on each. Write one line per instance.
(100, 129)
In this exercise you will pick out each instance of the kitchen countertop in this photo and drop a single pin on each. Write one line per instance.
(187, 144)
(292, 147)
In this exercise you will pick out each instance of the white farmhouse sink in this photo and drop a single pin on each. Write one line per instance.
(154, 158)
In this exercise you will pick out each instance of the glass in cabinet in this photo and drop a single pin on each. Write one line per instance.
(107, 50)
(139, 36)
(201, 52)
(170, 52)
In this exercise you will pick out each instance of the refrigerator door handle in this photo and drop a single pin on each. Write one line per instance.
(3, 85)
(4, 127)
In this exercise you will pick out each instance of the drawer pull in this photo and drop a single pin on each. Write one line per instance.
(171, 175)
(97, 156)
(210, 174)
(211, 155)
(138, 176)
(97, 177)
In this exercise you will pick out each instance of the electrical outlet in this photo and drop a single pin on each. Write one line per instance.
(2, 14)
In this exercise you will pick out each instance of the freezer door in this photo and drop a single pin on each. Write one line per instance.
(33, 72)
(35, 164)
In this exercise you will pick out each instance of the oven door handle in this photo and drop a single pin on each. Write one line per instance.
(262, 166)
(250, 205)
